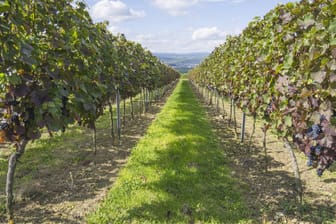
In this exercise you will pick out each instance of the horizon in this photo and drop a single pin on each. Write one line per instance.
(181, 53)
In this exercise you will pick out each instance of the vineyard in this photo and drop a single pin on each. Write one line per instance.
(76, 100)
(61, 69)
(282, 69)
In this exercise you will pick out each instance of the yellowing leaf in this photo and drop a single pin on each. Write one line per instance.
(2, 136)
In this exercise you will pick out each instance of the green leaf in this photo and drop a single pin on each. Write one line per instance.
(307, 22)
(2, 77)
(4, 6)
(14, 79)
(333, 41)
(288, 121)
(332, 27)
(289, 61)
(26, 49)
(4, 27)
(88, 106)
(82, 87)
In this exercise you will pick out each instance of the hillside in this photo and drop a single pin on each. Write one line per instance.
(182, 62)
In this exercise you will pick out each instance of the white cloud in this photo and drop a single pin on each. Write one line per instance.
(178, 41)
(208, 33)
(114, 11)
(144, 38)
(152, 41)
(213, 33)
(238, 1)
(175, 7)
(119, 30)
(179, 7)
(213, 0)
(183, 40)
(113, 29)
(232, 1)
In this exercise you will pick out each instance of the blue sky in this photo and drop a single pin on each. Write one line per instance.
(179, 26)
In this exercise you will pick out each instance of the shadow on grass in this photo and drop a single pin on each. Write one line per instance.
(59, 180)
(183, 180)
(196, 186)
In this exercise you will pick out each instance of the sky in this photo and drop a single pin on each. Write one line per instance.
(179, 26)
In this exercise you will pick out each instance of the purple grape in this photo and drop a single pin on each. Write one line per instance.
(4, 125)
(322, 118)
(318, 149)
(314, 131)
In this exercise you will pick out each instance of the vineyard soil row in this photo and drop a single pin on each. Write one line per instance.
(271, 196)
(59, 179)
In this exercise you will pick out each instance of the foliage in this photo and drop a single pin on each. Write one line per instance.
(58, 67)
(282, 68)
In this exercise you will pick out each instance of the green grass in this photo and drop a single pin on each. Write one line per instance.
(57, 152)
(176, 174)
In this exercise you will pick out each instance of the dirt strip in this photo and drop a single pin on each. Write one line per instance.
(68, 194)
(271, 195)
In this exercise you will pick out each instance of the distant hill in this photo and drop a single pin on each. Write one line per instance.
(182, 62)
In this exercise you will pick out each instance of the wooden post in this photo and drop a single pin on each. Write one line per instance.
(231, 107)
(111, 120)
(118, 115)
(217, 101)
(140, 103)
(223, 106)
(94, 139)
(124, 112)
(242, 134)
(235, 119)
(132, 109)
(146, 99)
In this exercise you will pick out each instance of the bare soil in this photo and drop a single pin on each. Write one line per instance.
(271, 195)
(66, 194)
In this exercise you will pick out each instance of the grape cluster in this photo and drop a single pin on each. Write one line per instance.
(4, 125)
(320, 143)
(270, 107)
(230, 66)
(65, 111)
(319, 172)
(315, 151)
(15, 119)
(11, 102)
(314, 131)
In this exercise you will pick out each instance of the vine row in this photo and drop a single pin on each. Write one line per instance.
(57, 68)
(282, 68)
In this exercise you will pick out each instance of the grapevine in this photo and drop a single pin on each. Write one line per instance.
(283, 69)
(57, 68)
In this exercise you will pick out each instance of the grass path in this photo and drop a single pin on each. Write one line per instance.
(177, 173)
